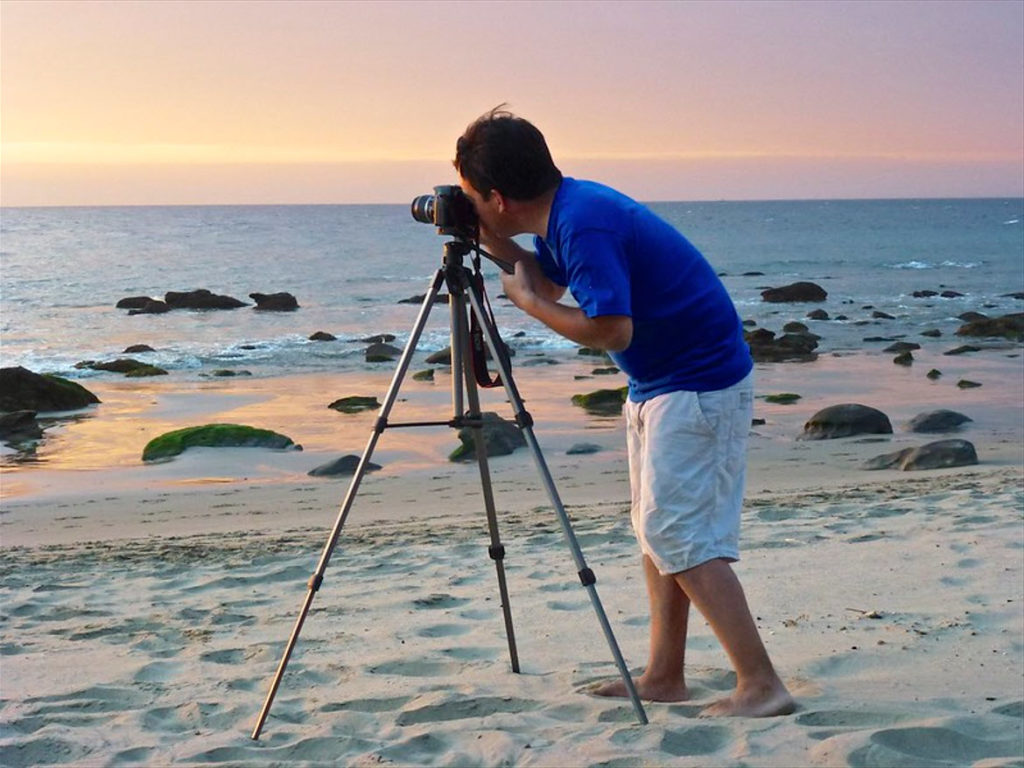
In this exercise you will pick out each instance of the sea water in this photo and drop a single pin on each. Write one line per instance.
(353, 267)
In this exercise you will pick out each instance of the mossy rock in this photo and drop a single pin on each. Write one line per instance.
(501, 437)
(782, 398)
(602, 402)
(427, 375)
(355, 404)
(213, 436)
(126, 365)
(24, 390)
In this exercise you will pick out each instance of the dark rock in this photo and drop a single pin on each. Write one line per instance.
(817, 314)
(941, 420)
(441, 298)
(355, 404)
(275, 302)
(582, 449)
(963, 349)
(846, 420)
(795, 292)
(753, 274)
(441, 357)
(18, 426)
(924, 294)
(214, 436)
(381, 353)
(782, 398)
(153, 307)
(346, 465)
(1007, 326)
(227, 373)
(501, 437)
(200, 299)
(950, 295)
(904, 358)
(937, 455)
(967, 384)
(23, 390)
(323, 336)
(902, 346)
(602, 402)
(791, 347)
(932, 333)
(380, 338)
(750, 323)
(591, 352)
(607, 371)
(934, 374)
(794, 327)
(427, 375)
(1015, 295)
(970, 317)
(134, 302)
(135, 349)
(128, 366)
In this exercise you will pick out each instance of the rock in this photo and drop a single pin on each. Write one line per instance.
(130, 367)
(791, 347)
(214, 435)
(134, 302)
(606, 371)
(23, 390)
(227, 373)
(355, 404)
(582, 449)
(380, 338)
(135, 349)
(602, 402)
(782, 398)
(934, 374)
(1015, 295)
(933, 333)
(381, 353)
(591, 352)
(941, 420)
(950, 294)
(427, 375)
(1009, 326)
(441, 357)
(846, 420)
(18, 426)
(962, 349)
(879, 315)
(970, 317)
(800, 291)
(501, 437)
(200, 299)
(967, 384)
(346, 465)
(753, 274)
(924, 294)
(904, 358)
(323, 336)
(441, 298)
(817, 314)
(274, 302)
(153, 307)
(902, 346)
(794, 327)
(937, 455)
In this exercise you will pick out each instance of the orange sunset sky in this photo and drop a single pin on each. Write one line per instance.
(168, 102)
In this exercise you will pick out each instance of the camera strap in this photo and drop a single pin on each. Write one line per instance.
(478, 345)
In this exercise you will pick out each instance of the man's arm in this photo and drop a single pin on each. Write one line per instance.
(610, 332)
(510, 251)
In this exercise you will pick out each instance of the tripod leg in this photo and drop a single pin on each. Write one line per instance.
(525, 422)
(381, 424)
(462, 365)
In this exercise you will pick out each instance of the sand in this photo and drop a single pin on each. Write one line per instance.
(145, 609)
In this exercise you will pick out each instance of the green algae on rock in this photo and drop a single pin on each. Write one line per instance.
(215, 436)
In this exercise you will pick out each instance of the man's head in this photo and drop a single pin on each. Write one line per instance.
(504, 153)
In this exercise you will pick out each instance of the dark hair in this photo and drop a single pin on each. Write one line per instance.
(507, 153)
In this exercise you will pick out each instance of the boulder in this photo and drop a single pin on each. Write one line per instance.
(380, 338)
(1008, 326)
(925, 294)
(902, 346)
(602, 402)
(23, 390)
(134, 302)
(135, 349)
(790, 347)
(381, 353)
(18, 426)
(501, 437)
(583, 449)
(323, 336)
(817, 314)
(152, 307)
(795, 292)
(128, 366)
(441, 357)
(274, 302)
(937, 455)
(941, 420)
(845, 420)
(200, 299)
(346, 465)
(355, 404)
(215, 436)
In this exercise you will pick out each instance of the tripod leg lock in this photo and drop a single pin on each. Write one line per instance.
(497, 552)
(380, 425)
(524, 419)
(587, 577)
(315, 581)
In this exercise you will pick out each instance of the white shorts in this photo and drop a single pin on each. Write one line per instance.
(687, 468)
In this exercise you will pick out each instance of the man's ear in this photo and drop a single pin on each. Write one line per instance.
(501, 201)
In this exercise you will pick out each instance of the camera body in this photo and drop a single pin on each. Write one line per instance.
(450, 210)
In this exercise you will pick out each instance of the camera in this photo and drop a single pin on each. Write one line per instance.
(450, 210)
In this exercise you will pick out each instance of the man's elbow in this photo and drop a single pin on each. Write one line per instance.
(618, 334)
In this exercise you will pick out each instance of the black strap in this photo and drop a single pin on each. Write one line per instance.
(478, 345)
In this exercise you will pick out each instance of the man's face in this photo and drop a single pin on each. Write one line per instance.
(492, 218)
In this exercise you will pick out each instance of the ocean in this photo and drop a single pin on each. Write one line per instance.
(63, 270)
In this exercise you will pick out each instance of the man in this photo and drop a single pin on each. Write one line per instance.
(649, 298)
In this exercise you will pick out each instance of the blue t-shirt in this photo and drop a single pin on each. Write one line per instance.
(618, 258)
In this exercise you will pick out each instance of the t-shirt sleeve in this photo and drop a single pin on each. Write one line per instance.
(546, 262)
(598, 273)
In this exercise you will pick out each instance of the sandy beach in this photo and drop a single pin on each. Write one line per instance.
(145, 608)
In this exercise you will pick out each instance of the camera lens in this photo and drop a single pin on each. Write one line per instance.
(423, 209)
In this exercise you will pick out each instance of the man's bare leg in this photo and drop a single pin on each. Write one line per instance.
(716, 592)
(663, 678)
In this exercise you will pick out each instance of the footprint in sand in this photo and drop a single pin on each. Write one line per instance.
(443, 630)
(466, 708)
(920, 745)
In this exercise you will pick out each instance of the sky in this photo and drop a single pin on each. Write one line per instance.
(167, 102)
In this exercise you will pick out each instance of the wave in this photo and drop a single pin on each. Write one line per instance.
(929, 265)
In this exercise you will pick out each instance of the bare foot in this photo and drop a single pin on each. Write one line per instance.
(754, 700)
(649, 691)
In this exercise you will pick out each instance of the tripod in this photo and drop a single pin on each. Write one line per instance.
(463, 285)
